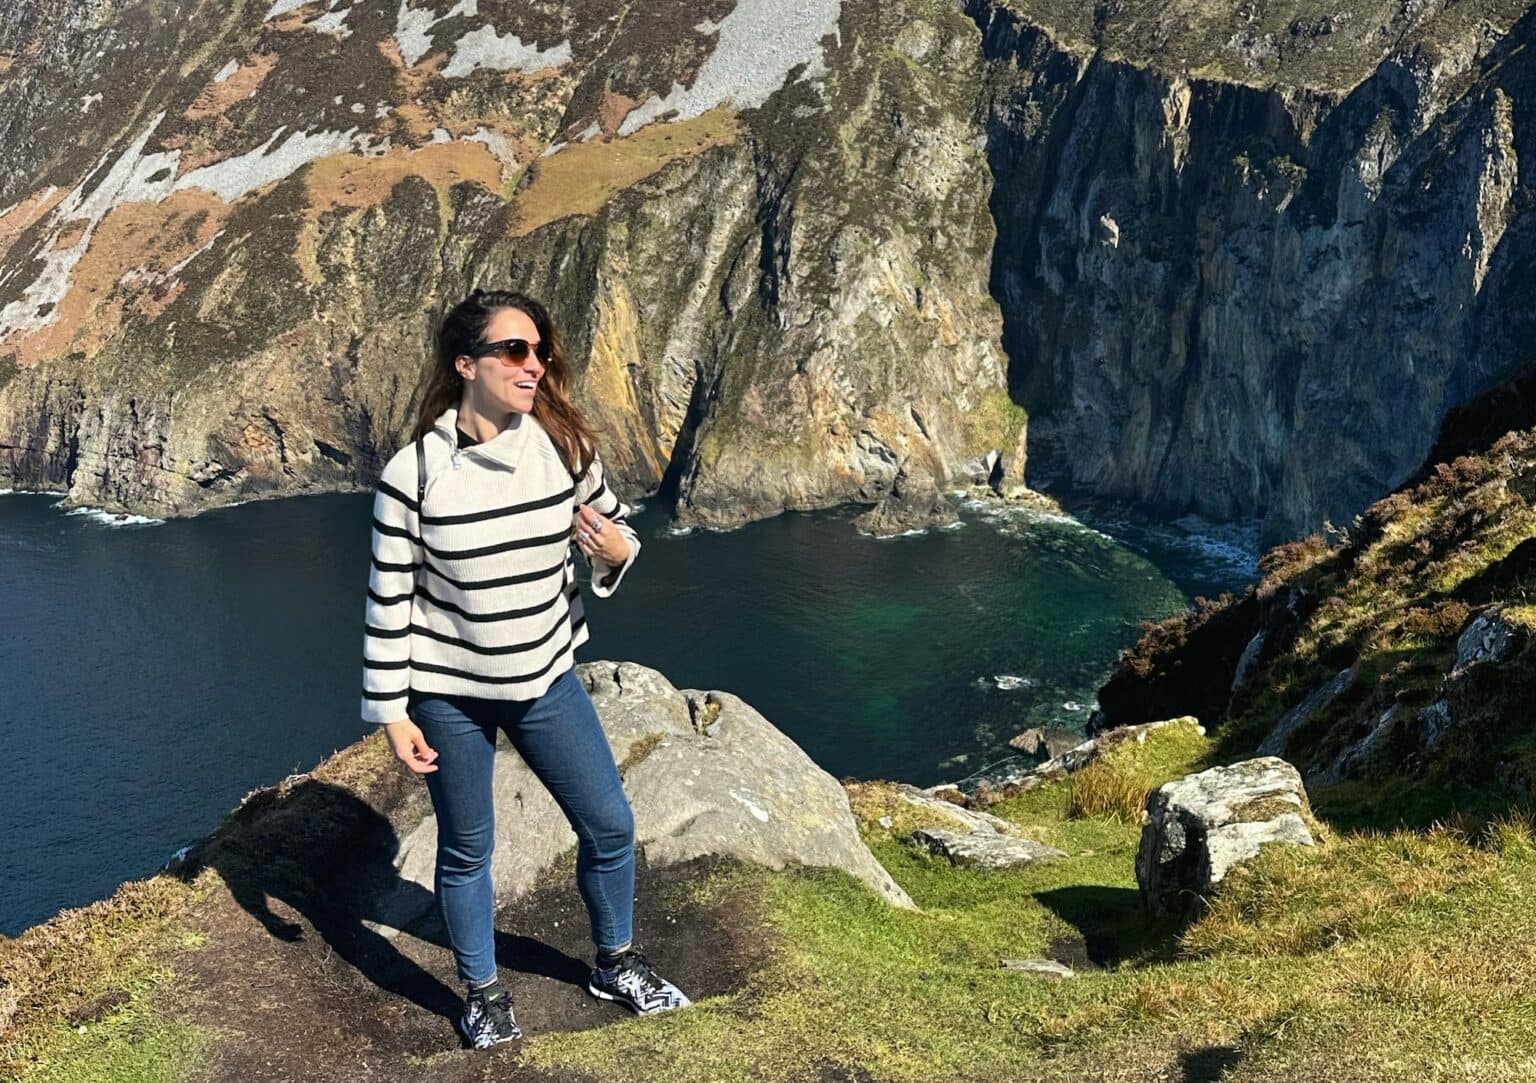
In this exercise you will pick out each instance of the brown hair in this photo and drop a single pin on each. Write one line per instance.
(462, 329)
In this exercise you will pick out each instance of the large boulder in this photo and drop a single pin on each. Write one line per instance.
(705, 774)
(1199, 827)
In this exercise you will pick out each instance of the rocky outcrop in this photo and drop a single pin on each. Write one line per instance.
(1298, 716)
(911, 505)
(704, 773)
(769, 268)
(1047, 742)
(1199, 827)
(997, 785)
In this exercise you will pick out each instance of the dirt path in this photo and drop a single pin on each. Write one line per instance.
(305, 994)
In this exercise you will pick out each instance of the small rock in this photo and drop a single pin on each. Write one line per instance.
(1488, 637)
(1045, 968)
(984, 849)
(1049, 742)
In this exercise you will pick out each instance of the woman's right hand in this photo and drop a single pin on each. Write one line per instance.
(410, 746)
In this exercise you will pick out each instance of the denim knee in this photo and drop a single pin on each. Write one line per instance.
(462, 858)
(613, 831)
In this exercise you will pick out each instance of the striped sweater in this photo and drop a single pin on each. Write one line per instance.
(475, 593)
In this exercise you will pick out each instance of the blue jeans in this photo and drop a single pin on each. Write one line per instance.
(560, 738)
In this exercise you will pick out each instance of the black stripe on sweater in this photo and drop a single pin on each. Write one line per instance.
(449, 671)
(602, 487)
(496, 513)
(507, 648)
(386, 633)
(394, 599)
(386, 695)
(384, 566)
(390, 491)
(503, 547)
(506, 614)
(373, 663)
(504, 581)
(393, 531)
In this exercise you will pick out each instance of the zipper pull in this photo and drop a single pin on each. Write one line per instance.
(455, 458)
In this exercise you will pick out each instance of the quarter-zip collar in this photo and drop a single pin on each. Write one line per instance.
(505, 449)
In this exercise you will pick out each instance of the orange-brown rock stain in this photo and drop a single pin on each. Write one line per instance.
(354, 183)
(19, 217)
(214, 98)
(582, 177)
(126, 269)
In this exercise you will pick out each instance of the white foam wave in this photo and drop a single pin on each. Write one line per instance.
(109, 518)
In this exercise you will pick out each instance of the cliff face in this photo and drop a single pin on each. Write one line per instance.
(1247, 261)
(1241, 261)
(764, 236)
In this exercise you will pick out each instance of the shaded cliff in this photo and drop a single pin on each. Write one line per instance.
(1249, 256)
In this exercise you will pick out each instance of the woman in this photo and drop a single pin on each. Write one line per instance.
(472, 620)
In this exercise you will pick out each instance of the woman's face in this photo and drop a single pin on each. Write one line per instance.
(494, 386)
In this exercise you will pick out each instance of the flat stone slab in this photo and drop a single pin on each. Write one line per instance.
(984, 849)
(1043, 968)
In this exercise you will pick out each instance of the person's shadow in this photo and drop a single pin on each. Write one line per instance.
(330, 856)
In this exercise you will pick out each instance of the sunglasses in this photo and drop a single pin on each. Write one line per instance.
(513, 351)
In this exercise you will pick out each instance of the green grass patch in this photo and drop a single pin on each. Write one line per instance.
(82, 989)
(1118, 782)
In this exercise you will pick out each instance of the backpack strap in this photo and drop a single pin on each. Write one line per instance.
(421, 472)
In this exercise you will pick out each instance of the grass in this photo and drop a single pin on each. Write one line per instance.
(1118, 782)
(1355, 959)
(580, 179)
(80, 990)
(1349, 960)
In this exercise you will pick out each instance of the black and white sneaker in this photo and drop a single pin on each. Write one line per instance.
(635, 985)
(488, 1019)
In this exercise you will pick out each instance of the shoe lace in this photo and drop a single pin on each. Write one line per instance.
(498, 1009)
(634, 962)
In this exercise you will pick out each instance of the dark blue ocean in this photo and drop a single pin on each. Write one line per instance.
(151, 674)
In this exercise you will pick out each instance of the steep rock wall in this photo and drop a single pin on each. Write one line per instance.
(768, 252)
(1247, 282)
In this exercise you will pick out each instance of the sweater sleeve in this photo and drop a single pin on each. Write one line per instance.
(593, 491)
(397, 556)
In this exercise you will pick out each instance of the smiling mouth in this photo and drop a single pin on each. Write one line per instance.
(526, 385)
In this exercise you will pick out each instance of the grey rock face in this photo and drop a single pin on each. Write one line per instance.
(1487, 638)
(1049, 742)
(984, 849)
(1297, 716)
(912, 504)
(1193, 267)
(1199, 827)
(705, 774)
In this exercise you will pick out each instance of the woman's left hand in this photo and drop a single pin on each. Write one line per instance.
(597, 536)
